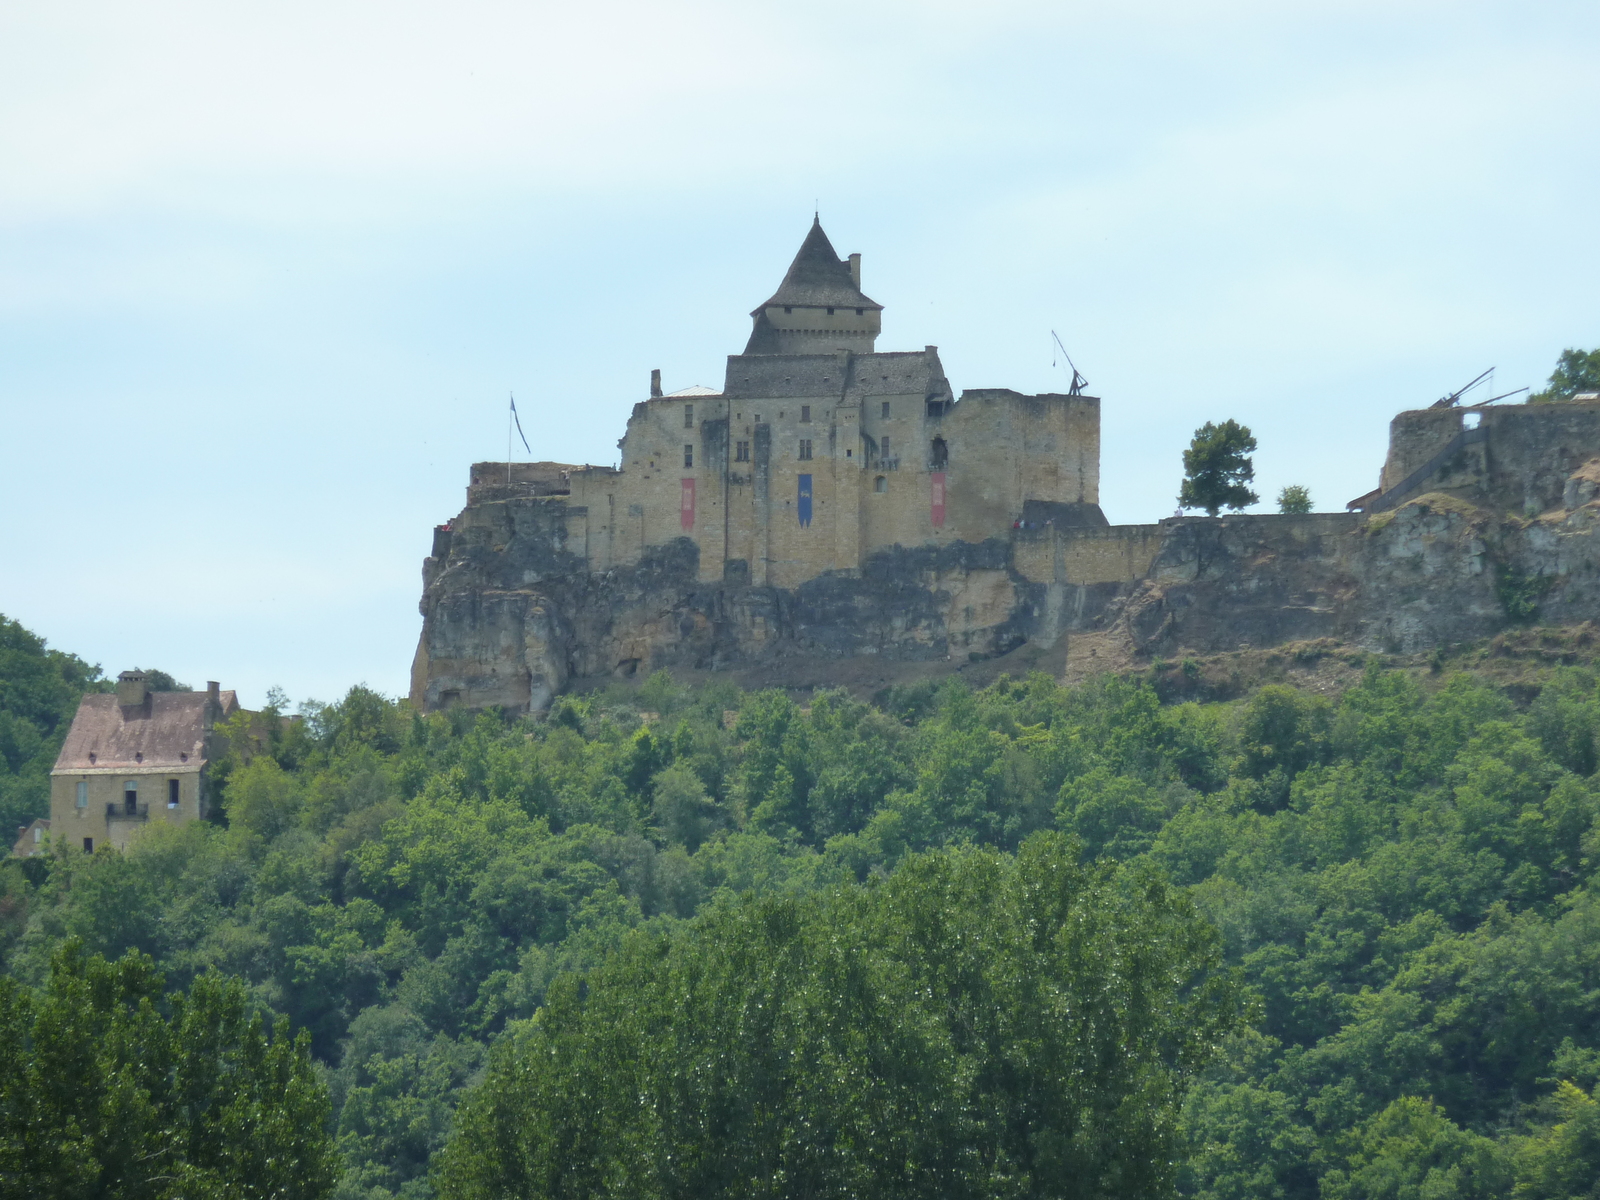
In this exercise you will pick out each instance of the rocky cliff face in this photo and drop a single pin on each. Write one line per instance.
(512, 618)
(1436, 570)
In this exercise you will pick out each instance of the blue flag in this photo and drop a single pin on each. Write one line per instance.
(804, 503)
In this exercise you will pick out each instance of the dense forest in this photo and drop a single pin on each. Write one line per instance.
(1357, 917)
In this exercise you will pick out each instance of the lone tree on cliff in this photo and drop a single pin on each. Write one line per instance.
(1577, 372)
(1294, 500)
(1216, 467)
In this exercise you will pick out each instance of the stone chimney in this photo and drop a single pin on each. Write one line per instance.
(855, 270)
(213, 695)
(655, 384)
(131, 689)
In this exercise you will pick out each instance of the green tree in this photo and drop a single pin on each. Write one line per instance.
(975, 1025)
(1576, 371)
(39, 693)
(1216, 467)
(1294, 500)
(1564, 1160)
(110, 1089)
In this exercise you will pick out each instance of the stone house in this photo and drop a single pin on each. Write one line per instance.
(134, 757)
(31, 838)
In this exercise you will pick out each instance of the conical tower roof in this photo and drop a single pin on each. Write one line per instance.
(817, 278)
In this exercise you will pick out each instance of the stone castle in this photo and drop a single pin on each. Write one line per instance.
(832, 503)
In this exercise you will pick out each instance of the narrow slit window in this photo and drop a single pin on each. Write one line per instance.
(172, 793)
(885, 410)
(883, 446)
(688, 416)
(688, 454)
(83, 793)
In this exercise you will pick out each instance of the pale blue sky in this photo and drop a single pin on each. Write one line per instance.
(268, 270)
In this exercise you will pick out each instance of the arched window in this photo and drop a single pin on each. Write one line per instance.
(938, 454)
(880, 484)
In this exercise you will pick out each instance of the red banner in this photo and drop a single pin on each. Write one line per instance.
(687, 506)
(938, 499)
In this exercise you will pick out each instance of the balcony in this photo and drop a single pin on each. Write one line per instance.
(127, 812)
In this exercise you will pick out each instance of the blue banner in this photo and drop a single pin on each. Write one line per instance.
(804, 503)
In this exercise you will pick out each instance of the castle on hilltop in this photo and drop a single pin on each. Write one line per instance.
(819, 451)
(835, 511)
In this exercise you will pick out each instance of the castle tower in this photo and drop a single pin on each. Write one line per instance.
(819, 307)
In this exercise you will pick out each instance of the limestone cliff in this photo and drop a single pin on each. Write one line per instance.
(512, 618)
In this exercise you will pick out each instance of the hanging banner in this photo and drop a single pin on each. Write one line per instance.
(938, 499)
(803, 503)
(687, 505)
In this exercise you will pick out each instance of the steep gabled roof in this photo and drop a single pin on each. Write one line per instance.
(818, 277)
(167, 730)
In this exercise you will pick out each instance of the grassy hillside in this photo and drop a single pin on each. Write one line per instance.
(1398, 856)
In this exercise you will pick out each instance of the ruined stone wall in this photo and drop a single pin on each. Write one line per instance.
(1520, 465)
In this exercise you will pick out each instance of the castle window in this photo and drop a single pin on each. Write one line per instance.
(885, 410)
(688, 455)
(172, 793)
(880, 484)
(830, 312)
(805, 413)
(741, 452)
(788, 308)
(883, 446)
(938, 454)
(688, 416)
(860, 312)
(83, 793)
(805, 449)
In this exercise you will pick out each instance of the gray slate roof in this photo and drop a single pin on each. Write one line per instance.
(818, 278)
(154, 735)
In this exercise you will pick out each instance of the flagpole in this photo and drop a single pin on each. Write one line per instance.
(508, 437)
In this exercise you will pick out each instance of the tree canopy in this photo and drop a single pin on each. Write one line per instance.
(111, 1088)
(975, 1025)
(1576, 371)
(1398, 854)
(39, 693)
(1294, 499)
(1216, 467)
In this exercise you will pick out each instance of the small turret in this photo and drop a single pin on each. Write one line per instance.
(819, 307)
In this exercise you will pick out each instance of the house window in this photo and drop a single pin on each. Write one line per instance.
(805, 414)
(83, 793)
(688, 416)
(172, 793)
(741, 452)
(883, 446)
(805, 449)
(880, 484)
(885, 410)
(938, 454)
(130, 795)
(688, 455)
(88, 845)
(788, 308)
